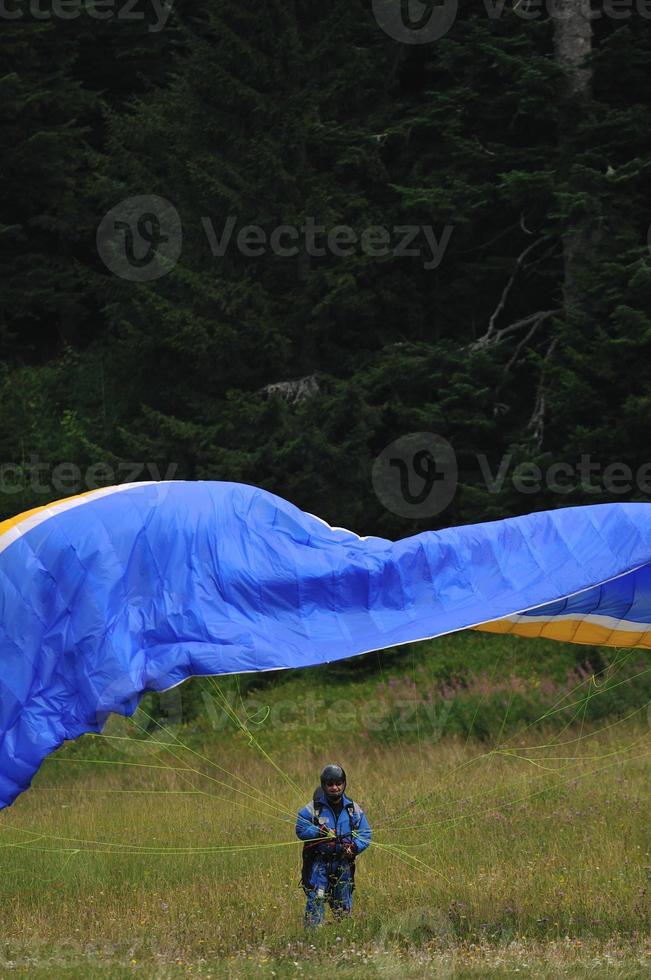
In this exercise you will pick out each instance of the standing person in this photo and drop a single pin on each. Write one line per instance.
(335, 830)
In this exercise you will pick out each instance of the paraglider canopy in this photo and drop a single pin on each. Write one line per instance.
(137, 587)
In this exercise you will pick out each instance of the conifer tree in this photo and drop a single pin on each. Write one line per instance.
(293, 368)
(42, 110)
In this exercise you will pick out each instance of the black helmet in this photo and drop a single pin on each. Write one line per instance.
(332, 774)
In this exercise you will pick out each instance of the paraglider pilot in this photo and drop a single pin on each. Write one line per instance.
(335, 830)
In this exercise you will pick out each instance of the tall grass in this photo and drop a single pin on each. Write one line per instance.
(533, 850)
(506, 781)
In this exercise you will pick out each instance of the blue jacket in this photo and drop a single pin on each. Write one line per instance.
(349, 827)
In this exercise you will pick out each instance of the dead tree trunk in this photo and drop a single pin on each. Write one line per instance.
(573, 46)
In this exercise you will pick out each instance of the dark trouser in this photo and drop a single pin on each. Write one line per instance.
(332, 882)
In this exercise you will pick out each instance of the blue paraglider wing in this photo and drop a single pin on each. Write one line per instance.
(135, 588)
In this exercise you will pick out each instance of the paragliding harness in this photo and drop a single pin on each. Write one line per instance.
(310, 852)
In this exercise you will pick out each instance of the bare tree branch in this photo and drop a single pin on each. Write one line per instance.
(525, 340)
(496, 335)
(523, 225)
(489, 335)
(536, 423)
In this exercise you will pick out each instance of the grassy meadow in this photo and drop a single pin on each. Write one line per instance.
(166, 848)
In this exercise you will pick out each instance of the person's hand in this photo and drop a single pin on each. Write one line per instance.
(350, 849)
(328, 836)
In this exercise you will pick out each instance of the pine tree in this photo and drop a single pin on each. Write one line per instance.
(42, 110)
(293, 371)
(257, 126)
